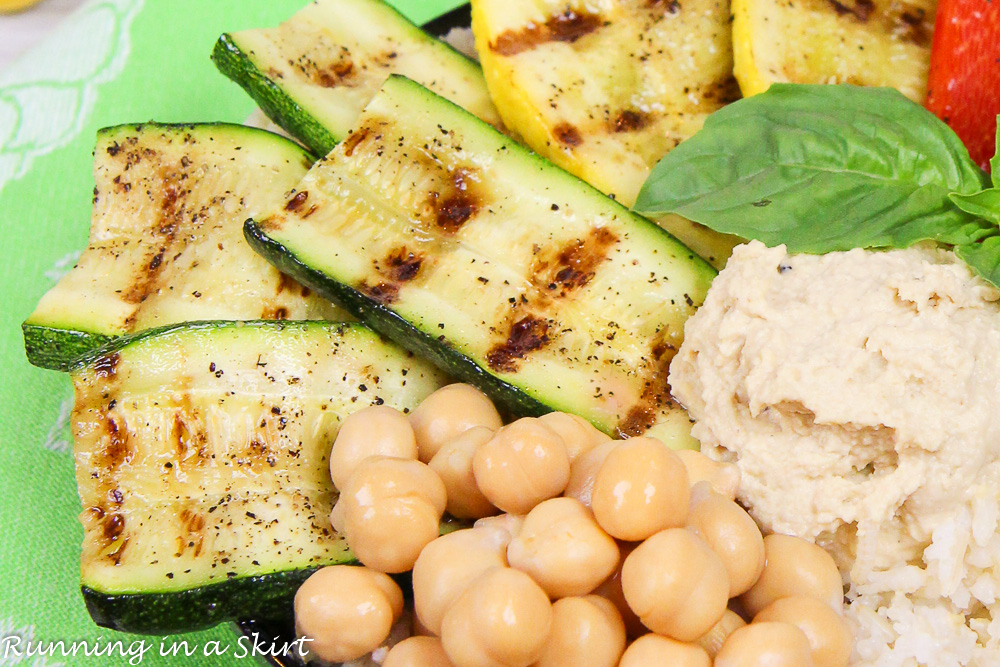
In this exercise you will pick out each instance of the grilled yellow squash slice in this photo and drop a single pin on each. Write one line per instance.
(864, 42)
(605, 89)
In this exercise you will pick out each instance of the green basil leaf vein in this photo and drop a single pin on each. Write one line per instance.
(821, 168)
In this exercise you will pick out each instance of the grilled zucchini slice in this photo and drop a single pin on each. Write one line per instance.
(450, 238)
(605, 90)
(202, 459)
(166, 242)
(862, 42)
(313, 74)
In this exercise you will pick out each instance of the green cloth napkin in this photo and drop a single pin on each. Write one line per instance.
(113, 61)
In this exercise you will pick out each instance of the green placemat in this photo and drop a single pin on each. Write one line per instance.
(113, 61)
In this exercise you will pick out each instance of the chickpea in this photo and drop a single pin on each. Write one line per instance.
(374, 431)
(563, 549)
(656, 650)
(641, 488)
(586, 632)
(347, 611)
(611, 590)
(724, 477)
(583, 471)
(578, 434)
(391, 510)
(731, 533)
(794, 566)
(447, 412)
(713, 640)
(337, 516)
(512, 523)
(676, 584)
(765, 645)
(501, 620)
(828, 634)
(449, 564)
(453, 464)
(522, 465)
(417, 652)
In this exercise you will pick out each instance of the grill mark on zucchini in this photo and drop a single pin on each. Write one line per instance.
(655, 393)
(107, 365)
(193, 525)
(353, 139)
(274, 313)
(382, 293)
(575, 263)
(297, 200)
(555, 275)
(401, 265)
(117, 451)
(527, 334)
(172, 216)
(568, 26)
(458, 201)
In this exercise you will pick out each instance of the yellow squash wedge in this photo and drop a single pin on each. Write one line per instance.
(605, 89)
(863, 42)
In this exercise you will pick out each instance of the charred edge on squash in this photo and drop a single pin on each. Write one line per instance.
(568, 26)
(664, 6)
(567, 135)
(724, 90)
(629, 120)
(910, 24)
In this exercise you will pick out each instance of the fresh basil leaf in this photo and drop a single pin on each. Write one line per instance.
(995, 161)
(985, 204)
(983, 258)
(821, 168)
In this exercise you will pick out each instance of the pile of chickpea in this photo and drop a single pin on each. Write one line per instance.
(586, 551)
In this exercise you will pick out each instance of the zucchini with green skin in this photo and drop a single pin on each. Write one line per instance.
(313, 74)
(202, 461)
(166, 241)
(453, 240)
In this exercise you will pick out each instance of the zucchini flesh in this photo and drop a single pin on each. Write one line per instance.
(605, 90)
(860, 42)
(202, 460)
(450, 238)
(314, 74)
(166, 241)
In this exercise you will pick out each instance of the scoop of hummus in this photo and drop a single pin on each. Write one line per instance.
(859, 394)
